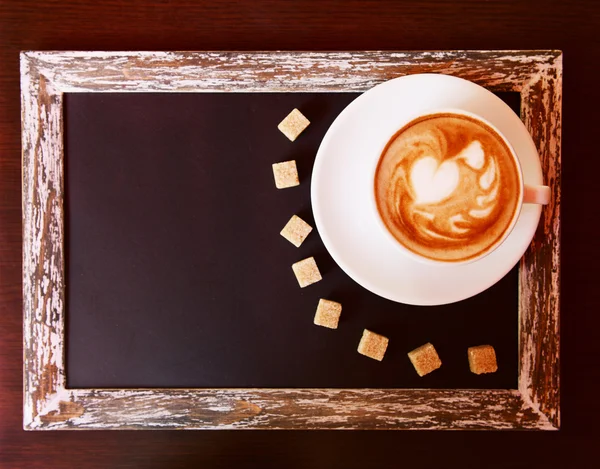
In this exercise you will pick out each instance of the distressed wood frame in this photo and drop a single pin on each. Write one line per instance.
(49, 404)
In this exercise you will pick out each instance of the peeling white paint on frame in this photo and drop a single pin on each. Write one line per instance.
(48, 404)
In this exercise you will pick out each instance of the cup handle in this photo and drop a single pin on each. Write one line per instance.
(536, 195)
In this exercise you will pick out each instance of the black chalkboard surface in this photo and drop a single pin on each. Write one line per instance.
(176, 275)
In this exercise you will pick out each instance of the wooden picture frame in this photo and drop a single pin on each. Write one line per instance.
(49, 404)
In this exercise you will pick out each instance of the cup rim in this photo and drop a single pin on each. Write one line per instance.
(492, 247)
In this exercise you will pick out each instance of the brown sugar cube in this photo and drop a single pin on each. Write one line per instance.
(482, 359)
(306, 272)
(425, 359)
(373, 345)
(328, 314)
(293, 125)
(286, 174)
(296, 230)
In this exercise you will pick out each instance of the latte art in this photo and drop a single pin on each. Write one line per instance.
(455, 198)
(447, 187)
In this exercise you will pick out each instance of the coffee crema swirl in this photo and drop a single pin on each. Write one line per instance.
(447, 187)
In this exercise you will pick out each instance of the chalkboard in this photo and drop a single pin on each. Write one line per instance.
(176, 275)
(157, 292)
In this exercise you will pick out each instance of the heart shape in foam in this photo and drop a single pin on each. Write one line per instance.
(433, 182)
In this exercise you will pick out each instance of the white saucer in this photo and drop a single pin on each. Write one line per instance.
(342, 181)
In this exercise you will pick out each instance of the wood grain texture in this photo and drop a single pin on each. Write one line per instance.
(293, 409)
(49, 405)
(278, 71)
(539, 278)
(43, 238)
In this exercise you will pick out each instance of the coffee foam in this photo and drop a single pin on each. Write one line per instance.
(447, 187)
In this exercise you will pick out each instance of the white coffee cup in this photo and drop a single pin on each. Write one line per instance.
(538, 194)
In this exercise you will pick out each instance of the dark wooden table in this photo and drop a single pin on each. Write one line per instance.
(325, 25)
